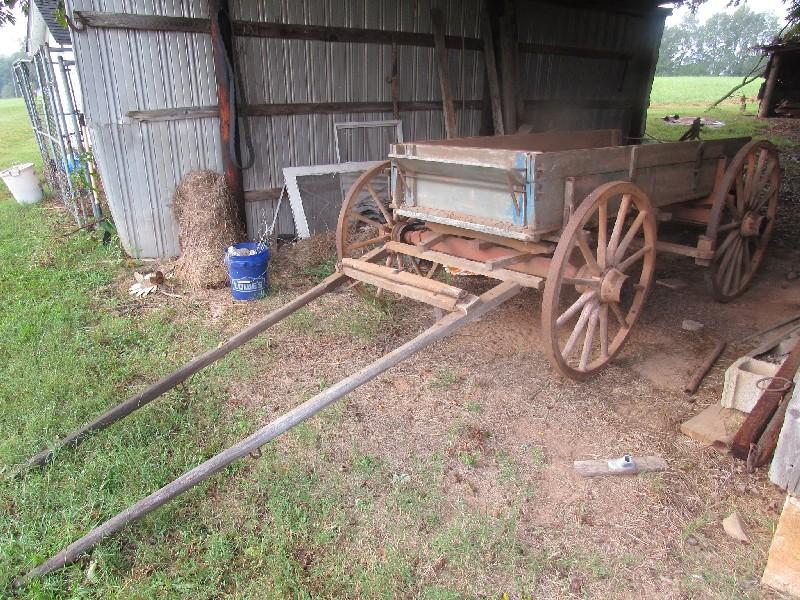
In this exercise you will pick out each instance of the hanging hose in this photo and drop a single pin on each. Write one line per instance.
(232, 80)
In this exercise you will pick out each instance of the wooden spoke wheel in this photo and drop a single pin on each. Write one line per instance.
(598, 280)
(365, 221)
(742, 218)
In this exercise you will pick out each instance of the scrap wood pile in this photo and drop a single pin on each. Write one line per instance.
(207, 224)
(758, 421)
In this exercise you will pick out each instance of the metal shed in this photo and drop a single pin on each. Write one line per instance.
(148, 79)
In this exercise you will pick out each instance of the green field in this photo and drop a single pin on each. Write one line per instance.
(670, 91)
(690, 96)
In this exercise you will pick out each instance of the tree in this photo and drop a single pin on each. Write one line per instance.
(7, 87)
(7, 10)
(720, 46)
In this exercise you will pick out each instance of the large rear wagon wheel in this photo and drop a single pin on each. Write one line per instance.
(742, 218)
(598, 281)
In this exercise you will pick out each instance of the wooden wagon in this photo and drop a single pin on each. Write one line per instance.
(573, 213)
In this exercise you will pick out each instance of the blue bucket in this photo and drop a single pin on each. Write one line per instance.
(248, 274)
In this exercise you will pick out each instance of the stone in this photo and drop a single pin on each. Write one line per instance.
(733, 526)
(690, 325)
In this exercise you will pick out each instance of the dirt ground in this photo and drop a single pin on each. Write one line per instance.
(487, 398)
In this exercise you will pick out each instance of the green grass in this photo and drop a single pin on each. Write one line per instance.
(698, 90)
(17, 144)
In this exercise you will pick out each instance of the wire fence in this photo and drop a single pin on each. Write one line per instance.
(57, 125)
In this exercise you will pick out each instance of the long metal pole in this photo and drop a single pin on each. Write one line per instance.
(188, 480)
(165, 384)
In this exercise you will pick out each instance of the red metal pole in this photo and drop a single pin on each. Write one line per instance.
(224, 65)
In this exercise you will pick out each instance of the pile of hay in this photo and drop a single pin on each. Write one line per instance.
(207, 224)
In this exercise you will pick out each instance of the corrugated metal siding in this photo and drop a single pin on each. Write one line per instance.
(131, 70)
(565, 78)
(141, 163)
(48, 9)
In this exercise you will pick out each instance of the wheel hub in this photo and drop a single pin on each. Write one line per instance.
(613, 285)
(752, 224)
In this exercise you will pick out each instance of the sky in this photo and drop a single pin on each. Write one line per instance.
(11, 36)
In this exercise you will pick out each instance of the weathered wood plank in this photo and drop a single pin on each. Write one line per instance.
(550, 49)
(296, 108)
(641, 464)
(490, 61)
(443, 69)
(264, 29)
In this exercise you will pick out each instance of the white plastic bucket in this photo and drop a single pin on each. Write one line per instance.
(23, 184)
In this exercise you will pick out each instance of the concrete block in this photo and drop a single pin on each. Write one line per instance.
(740, 391)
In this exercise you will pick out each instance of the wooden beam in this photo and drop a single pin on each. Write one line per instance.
(265, 195)
(296, 108)
(443, 68)
(765, 108)
(264, 29)
(490, 61)
(533, 48)
(225, 74)
(508, 73)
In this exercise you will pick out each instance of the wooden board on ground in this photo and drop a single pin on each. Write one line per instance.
(783, 565)
(599, 468)
(715, 426)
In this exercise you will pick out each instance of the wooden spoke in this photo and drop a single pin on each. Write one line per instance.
(588, 339)
(583, 245)
(379, 203)
(603, 325)
(575, 307)
(602, 234)
(729, 226)
(366, 243)
(634, 229)
(730, 239)
(746, 257)
(616, 233)
(581, 281)
(570, 319)
(367, 220)
(620, 316)
(748, 191)
(586, 312)
(633, 258)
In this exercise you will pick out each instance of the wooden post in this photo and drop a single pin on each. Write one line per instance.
(765, 108)
(441, 329)
(508, 71)
(491, 75)
(224, 70)
(450, 127)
